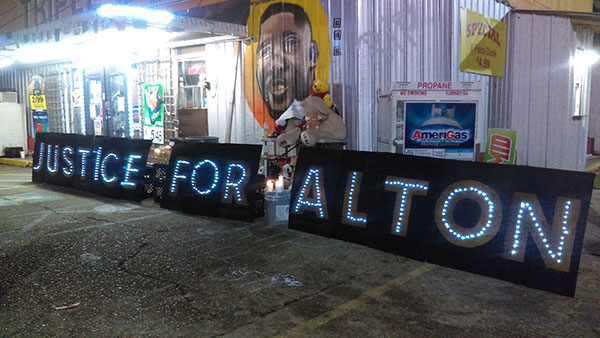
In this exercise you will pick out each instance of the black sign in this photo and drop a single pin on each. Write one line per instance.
(516, 223)
(109, 166)
(212, 179)
(63, 159)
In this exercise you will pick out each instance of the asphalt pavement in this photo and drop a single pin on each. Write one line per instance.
(76, 264)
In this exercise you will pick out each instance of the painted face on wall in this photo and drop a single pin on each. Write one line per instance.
(286, 60)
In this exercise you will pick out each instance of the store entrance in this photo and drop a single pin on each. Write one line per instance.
(105, 99)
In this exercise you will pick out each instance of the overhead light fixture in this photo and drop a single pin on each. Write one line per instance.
(149, 15)
(585, 58)
(6, 62)
(108, 46)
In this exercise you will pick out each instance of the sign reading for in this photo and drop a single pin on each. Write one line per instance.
(37, 102)
(482, 44)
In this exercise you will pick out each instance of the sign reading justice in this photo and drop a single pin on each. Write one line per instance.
(108, 166)
(516, 223)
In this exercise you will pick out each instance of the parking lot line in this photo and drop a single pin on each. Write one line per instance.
(301, 330)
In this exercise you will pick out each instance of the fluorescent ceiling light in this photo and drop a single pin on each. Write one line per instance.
(111, 45)
(6, 62)
(152, 16)
(585, 58)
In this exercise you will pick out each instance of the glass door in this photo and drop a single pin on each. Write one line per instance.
(93, 102)
(117, 117)
(105, 99)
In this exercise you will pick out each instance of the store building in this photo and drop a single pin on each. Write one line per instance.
(97, 70)
(545, 94)
(208, 70)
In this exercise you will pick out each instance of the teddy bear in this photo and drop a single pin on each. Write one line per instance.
(321, 122)
(321, 89)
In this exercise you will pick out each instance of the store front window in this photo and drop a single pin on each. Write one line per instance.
(105, 100)
(192, 91)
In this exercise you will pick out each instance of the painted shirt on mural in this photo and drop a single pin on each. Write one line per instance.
(290, 52)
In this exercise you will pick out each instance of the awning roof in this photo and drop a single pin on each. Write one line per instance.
(589, 20)
(191, 31)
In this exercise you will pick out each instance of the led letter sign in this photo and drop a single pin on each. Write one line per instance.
(106, 172)
(516, 223)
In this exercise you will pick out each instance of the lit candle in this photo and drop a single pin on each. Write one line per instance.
(269, 186)
(279, 184)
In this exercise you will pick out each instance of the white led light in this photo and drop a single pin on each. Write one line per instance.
(194, 179)
(477, 232)
(84, 153)
(67, 152)
(313, 178)
(490, 213)
(528, 209)
(130, 169)
(103, 168)
(40, 159)
(52, 170)
(229, 184)
(408, 187)
(83, 131)
(351, 197)
(152, 16)
(176, 175)
(98, 153)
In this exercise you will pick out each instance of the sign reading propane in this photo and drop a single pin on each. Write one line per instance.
(520, 224)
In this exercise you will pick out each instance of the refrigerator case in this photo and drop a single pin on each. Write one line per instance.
(13, 128)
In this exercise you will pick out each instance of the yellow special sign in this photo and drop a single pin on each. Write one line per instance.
(482, 44)
(37, 102)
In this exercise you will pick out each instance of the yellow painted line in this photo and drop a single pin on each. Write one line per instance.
(10, 174)
(17, 162)
(23, 180)
(13, 187)
(19, 201)
(302, 329)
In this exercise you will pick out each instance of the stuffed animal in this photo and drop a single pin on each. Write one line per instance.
(321, 89)
(291, 117)
(321, 122)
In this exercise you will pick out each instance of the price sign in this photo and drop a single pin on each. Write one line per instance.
(482, 44)
(37, 102)
(156, 134)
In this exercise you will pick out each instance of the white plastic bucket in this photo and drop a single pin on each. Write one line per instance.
(277, 207)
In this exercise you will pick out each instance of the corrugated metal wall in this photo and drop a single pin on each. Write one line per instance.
(538, 101)
(57, 84)
(386, 41)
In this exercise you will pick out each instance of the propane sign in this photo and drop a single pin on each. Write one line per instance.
(440, 129)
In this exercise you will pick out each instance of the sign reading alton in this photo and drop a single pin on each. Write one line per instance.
(516, 223)
(482, 44)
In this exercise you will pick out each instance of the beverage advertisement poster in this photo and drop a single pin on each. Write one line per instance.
(440, 129)
(501, 146)
(154, 112)
(40, 121)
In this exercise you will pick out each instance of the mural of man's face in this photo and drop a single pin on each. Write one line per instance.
(286, 63)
